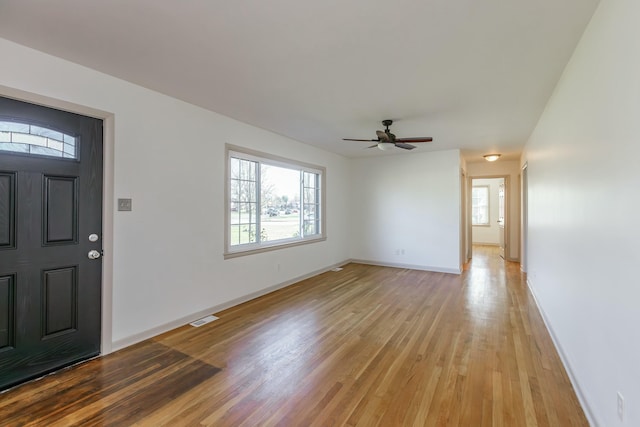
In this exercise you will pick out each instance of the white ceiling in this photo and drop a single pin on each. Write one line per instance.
(473, 74)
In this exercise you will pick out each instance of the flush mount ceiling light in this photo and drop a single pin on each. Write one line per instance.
(491, 157)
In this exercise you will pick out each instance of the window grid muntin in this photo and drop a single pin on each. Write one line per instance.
(310, 203)
(243, 201)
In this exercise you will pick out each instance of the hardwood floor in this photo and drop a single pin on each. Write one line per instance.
(364, 346)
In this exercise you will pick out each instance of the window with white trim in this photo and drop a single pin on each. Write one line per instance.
(272, 202)
(480, 205)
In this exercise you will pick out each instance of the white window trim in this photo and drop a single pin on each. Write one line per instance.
(249, 249)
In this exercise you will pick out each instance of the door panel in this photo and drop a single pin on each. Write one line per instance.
(60, 301)
(50, 202)
(60, 210)
(7, 210)
(7, 307)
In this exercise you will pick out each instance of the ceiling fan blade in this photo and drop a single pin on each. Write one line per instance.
(382, 136)
(416, 139)
(405, 146)
(365, 140)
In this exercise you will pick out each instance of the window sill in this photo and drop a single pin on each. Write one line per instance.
(266, 248)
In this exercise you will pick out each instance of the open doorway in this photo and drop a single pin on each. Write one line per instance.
(488, 212)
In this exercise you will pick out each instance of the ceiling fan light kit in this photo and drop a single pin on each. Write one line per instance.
(491, 157)
(387, 141)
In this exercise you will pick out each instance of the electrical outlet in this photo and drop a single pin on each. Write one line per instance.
(401, 251)
(620, 406)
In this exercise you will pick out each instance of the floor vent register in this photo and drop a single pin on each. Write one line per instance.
(203, 321)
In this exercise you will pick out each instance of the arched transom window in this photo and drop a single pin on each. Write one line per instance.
(26, 138)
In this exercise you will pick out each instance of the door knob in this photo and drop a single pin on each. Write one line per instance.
(93, 254)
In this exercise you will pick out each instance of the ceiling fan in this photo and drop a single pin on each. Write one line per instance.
(386, 140)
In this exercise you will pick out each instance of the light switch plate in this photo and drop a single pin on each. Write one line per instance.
(124, 204)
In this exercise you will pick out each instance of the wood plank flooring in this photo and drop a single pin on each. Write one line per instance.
(365, 346)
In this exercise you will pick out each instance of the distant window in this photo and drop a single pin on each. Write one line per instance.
(271, 202)
(25, 138)
(480, 205)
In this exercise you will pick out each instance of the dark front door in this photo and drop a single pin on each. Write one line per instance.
(50, 220)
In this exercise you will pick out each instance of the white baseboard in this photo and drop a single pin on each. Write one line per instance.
(150, 333)
(563, 358)
(409, 266)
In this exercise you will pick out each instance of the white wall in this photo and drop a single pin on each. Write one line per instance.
(489, 234)
(169, 158)
(510, 168)
(405, 210)
(583, 245)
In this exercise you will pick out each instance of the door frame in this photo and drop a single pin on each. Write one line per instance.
(524, 214)
(107, 196)
(464, 236)
(507, 210)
